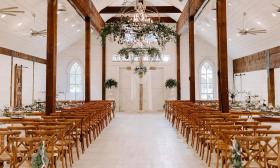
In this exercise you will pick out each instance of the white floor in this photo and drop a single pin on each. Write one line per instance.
(135, 140)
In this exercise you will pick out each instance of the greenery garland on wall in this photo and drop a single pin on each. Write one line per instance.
(118, 31)
(151, 52)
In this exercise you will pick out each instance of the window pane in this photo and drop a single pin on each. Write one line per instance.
(207, 81)
(72, 79)
(203, 78)
(78, 79)
(203, 88)
(72, 88)
(203, 96)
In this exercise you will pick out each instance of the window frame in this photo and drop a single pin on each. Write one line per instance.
(69, 74)
(207, 83)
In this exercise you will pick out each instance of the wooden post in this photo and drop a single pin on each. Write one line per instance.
(271, 87)
(87, 58)
(178, 68)
(192, 59)
(103, 70)
(51, 57)
(222, 55)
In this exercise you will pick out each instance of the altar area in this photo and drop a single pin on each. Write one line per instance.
(145, 94)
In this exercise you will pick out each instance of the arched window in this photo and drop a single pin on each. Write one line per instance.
(207, 81)
(75, 79)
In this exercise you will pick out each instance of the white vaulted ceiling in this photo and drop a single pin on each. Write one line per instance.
(261, 14)
(16, 30)
(177, 3)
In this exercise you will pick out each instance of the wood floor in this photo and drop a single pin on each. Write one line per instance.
(135, 140)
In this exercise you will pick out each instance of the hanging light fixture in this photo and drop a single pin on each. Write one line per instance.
(140, 15)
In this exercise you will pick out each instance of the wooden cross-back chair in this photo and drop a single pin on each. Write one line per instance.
(254, 150)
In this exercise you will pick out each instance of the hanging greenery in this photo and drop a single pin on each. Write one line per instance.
(151, 52)
(119, 31)
(170, 83)
(111, 83)
(141, 70)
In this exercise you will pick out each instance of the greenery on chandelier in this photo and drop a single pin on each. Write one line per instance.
(111, 83)
(151, 52)
(170, 83)
(118, 31)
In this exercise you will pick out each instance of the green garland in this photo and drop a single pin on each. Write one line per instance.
(118, 30)
(151, 52)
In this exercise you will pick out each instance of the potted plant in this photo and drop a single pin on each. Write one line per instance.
(170, 84)
(110, 84)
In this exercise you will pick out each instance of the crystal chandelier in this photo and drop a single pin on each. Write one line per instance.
(140, 13)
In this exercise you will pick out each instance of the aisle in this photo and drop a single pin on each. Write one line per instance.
(139, 141)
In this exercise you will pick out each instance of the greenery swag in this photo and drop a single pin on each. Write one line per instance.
(151, 52)
(118, 31)
(111, 83)
(170, 83)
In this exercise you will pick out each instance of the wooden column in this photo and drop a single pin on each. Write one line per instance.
(192, 59)
(87, 58)
(51, 57)
(178, 68)
(222, 55)
(271, 87)
(103, 71)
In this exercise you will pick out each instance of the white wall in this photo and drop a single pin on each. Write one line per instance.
(76, 53)
(5, 76)
(113, 68)
(277, 86)
(27, 80)
(253, 82)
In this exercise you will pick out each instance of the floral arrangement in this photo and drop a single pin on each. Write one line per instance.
(141, 70)
(232, 95)
(170, 83)
(118, 31)
(236, 159)
(40, 159)
(151, 52)
(111, 83)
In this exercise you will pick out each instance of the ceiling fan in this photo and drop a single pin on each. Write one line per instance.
(252, 31)
(37, 33)
(11, 11)
(276, 6)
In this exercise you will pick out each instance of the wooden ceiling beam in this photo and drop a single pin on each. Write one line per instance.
(86, 8)
(159, 9)
(258, 61)
(190, 10)
(161, 19)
